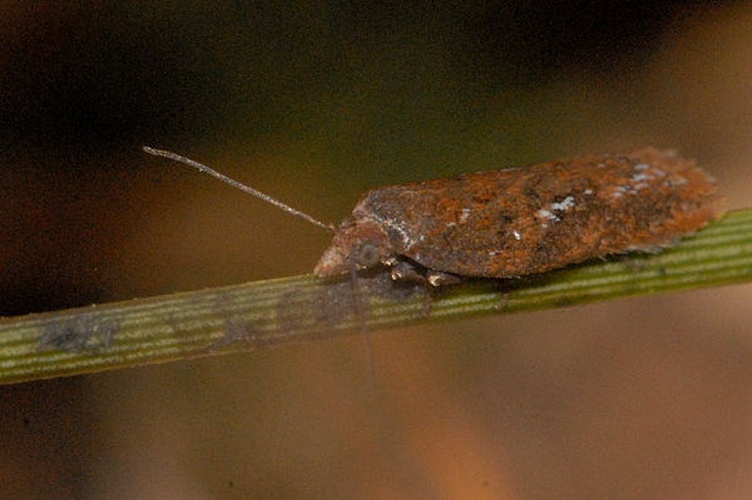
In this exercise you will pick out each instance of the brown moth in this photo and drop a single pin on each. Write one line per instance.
(517, 221)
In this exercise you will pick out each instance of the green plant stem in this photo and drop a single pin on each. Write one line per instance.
(267, 313)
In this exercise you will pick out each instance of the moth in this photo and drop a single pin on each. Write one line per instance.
(516, 221)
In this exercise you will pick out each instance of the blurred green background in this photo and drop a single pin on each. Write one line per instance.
(314, 103)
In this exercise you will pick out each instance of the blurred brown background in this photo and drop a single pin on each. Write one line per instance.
(315, 102)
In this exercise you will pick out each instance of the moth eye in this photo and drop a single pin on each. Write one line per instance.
(368, 255)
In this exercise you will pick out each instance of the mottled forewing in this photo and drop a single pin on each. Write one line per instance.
(533, 219)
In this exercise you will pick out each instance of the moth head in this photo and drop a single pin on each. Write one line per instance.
(359, 243)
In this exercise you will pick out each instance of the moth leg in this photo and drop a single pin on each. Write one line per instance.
(438, 279)
(406, 271)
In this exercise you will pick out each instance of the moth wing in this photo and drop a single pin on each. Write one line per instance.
(516, 222)
(461, 226)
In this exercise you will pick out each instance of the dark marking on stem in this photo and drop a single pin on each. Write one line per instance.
(236, 330)
(335, 303)
(84, 334)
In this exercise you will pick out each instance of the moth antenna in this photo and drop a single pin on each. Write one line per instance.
(239, 185)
